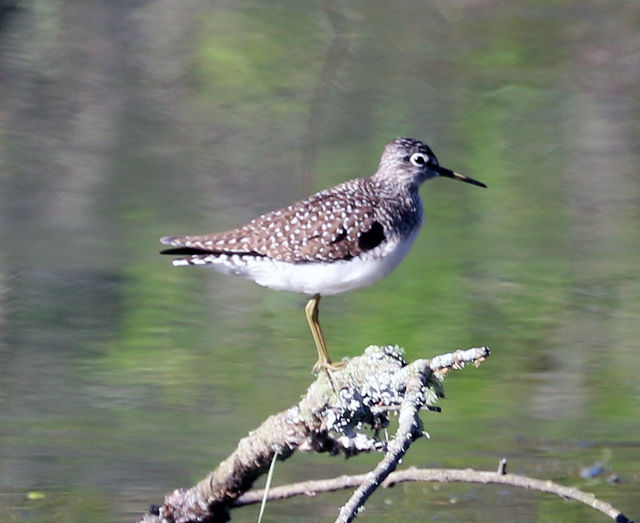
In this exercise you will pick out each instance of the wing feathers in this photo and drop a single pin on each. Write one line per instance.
(328, 226)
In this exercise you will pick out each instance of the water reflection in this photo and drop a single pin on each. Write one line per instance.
(123, 378)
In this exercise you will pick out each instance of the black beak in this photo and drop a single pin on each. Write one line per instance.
(448, 173)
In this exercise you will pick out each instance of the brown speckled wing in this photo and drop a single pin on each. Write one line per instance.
(328, 226)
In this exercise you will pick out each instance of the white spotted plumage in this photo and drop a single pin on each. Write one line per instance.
(311, 278)
(336, 240)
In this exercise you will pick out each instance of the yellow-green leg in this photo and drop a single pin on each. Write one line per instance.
(324, 361)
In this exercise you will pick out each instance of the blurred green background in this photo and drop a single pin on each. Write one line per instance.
(122, 378)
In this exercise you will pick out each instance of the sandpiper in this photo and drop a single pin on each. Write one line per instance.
(343, 238)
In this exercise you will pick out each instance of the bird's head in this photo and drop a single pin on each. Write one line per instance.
(408, 162)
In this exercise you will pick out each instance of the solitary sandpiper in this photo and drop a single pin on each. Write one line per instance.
(337, 240)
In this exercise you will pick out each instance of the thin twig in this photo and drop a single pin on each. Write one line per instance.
(267, 487)
(311, 488)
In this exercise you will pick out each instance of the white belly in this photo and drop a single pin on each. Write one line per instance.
(314, 277)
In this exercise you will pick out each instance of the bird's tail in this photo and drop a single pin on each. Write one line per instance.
(196, 255)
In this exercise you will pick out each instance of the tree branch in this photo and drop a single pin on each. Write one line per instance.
(409, 429)
(312, 488)
(329, 418)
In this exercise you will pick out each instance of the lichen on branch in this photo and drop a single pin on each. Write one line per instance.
(342, 412)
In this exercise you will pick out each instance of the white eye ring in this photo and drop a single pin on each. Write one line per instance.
(419, 159)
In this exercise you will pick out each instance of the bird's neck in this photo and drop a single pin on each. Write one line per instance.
(404, 198)
(394, 188)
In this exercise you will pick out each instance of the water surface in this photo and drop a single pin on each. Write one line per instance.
(124, 378)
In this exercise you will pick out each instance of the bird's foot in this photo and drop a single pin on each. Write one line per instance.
(328, 366)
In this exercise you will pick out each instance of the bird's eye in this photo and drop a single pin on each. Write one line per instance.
(419, 159)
